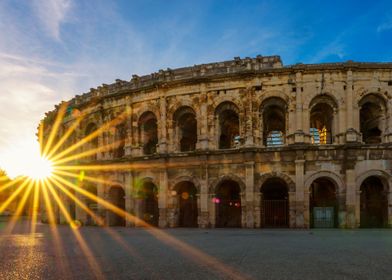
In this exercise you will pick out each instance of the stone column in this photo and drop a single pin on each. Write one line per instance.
(292, 209)
(203, 119)
(257, 209)
(162, 201)
(299, 134)
(101, 195)
(129, 131)
(204, 201)
(129, 207)
(249, 195)
(352, 134)
(212, 209)
(390, 207)
(249, 138)
(163, 126)
(57, 211)
(341, 197)
(349, 100)
(351, 199)
(388, 136)
(80, 213)
(301, 212)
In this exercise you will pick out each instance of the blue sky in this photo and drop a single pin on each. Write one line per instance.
(51, 50)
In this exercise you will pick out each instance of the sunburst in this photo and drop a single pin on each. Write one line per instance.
(50, 177)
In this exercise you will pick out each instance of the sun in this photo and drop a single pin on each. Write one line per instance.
(24, 159)
(40, 169)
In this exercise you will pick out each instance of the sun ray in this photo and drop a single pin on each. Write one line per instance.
(53, 131)
(186, 249)
(11, 183)
(130, 166)
(85, 177)
(62, 263)
(90, 152)
(37, 187)
(14, 194)
(20, 207)
(83, 245)
(82, 205)
(66, 135)
(92, 135)
(41, 136)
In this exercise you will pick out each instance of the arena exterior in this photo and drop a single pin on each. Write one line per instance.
(242, 143)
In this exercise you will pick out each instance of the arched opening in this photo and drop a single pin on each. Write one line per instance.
(148, 195)
(374, 203)
(228, 204)
(323, 204)
(322, 116)
(91, 204)
(121, 134)
(274, 121)
(148, 131)
(372, 117)
(274, 203)
(186, 128)
(229, 125)
(93, 143)
(186, 195)
(117, 198)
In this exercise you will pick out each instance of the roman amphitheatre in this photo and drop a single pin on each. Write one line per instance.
(247, 143)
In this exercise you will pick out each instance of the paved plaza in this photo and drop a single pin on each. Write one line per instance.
(128, 253)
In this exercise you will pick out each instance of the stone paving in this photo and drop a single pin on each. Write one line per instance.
(128, 253)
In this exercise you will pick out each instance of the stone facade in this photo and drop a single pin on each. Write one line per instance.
(242, 143)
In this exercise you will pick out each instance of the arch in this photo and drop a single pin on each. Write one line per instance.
(120, 138)
(148, 132)
(90, 203)
(274, 116)
(185, 194)
(185, 128)
(226, 105)
(185, 178)
(228, 206)
(228, 124)
(323, 203)
(372, 118)
(335, 178)
(228, 177)
(274, 206)
(116, 196)
(146, 193)
(326, 98)
(383, 175)
(322, 119)
(289, 182)
(273, 94)
(374, 202)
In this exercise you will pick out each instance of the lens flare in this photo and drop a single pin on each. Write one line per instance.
(41, 169)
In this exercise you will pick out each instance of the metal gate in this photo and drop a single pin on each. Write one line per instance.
(275, 213)
(323, 217)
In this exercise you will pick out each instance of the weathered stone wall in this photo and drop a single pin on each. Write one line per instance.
(247, 85)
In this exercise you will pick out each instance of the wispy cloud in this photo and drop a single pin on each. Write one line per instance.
(387, 25)
(52, 13)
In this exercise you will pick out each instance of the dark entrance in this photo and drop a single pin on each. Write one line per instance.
(323, 204)
(149, 203)
(228, 204)
(187, 199)
(374, 204)
(274, 203)
(116, 197)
